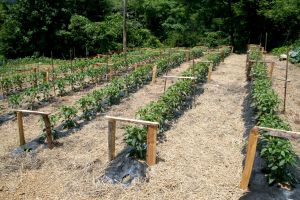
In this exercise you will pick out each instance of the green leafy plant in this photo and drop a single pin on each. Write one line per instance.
(86, 104)
(280, 158)
(69, 113)
(278, 153)
(15, 100)
(163, 111)
(136, 137)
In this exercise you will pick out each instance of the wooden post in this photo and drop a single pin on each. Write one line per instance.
(193, 66)
(21, 129)
(165, 85)
(47, 76)
(48, 130)
(151, 145)
(209, 71)
(286, 80)
(111, 71)
(124, 27)
(71, 60)
(154, 74)
(251, 150)
(111, 139)
(223, 55)
(248, 70)
(266, 41)
(187, 54)
(35, 76)
(271, 70)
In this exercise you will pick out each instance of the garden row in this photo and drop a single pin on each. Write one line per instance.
(277, 152)
(19, 82)
(101, 99)
(170, 104)
(71, 82)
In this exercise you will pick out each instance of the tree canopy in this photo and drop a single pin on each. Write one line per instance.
(37, 27)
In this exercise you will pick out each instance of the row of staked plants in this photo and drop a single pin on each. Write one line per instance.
(19, 81)
(72, 82)
(277, 152)
(169, 106)
(100, 100)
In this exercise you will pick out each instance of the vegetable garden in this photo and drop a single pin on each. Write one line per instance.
(126, 87)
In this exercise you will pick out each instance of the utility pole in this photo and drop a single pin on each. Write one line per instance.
(124, 26)
(124, 32)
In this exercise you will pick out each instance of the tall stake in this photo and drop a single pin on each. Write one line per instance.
(286, 80)
(52, 67)
(266, 41)
(124, 31)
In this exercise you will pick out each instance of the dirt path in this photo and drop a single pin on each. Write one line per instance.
(202, 156)
(292, 114)
(69, 170)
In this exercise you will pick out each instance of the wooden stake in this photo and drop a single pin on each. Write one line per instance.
(286, 80)
(21, 129)
(47, 76)
(223, 55)
(251, 150)
(35, 76)
(266, 41)
(187, 54)
(151, 145)
(209, 72)
(165, 86)
(111, 71)
(111, 139)
(48, 131)
(271, 71)
(154, 74)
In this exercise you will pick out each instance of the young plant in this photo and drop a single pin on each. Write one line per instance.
(69, 113)
(136, 138)
(280, 158)
(15, 100)
(86, 104)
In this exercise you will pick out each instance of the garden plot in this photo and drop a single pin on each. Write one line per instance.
(73, 167)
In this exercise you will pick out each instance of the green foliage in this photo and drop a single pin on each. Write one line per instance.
(280, 158)
(15, 100)
(85, 104)
(173, 101)
(69, 113)
(214, 39)
(136, 137)
(277, 152)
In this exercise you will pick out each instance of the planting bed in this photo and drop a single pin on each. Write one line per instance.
(200, 155)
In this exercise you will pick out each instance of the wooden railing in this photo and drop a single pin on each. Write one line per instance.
(45, 117)
(151, 137)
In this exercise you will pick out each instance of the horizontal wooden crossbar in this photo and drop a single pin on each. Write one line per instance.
(32, 112)
(135, 121)
(205, 61)
(280, 133)
(280, 79)
(181, 77)
(260, 61)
